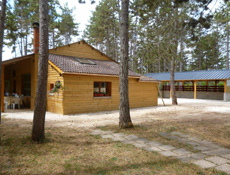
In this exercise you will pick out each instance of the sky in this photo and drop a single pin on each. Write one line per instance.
(82, 13)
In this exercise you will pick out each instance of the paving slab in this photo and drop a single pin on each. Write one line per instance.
(182, 151)
(152, 148)
(173, 137)
(204, 164)
(197, 156)
(138, 145)
(131, 137)
(180, 134)
(194, 139)
(119, 134)
(154, 143)
(185, 159)
(100, 132)
(128, 141)
(193, 143)
(227, 156)
(119, 139)
(208, 144)
(218, 160)
(166, 147)
(202, 148)
(97, 132)
(168, 154)
(141, 140)
(217, 152)
(182, 140)
(107, 136)
(225, 168)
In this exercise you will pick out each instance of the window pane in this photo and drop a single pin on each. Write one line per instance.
(103, 88)
(96, 87)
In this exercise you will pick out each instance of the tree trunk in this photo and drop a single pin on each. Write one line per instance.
(124, 115)
(2, 27)
(181, 53)
(172, 80)
(227, 59)
(25, 47)
(40, 101)
(53, 38)
(21, 48)
(164, 65)
(172, 70)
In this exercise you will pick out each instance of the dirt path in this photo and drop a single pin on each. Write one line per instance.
(188, 109)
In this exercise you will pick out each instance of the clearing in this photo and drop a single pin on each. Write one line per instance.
(71, 149)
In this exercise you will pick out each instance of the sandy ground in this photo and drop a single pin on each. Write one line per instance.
(188, 109)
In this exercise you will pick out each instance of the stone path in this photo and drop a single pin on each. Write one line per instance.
(209, 155)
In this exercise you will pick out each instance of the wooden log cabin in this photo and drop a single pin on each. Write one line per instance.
(80, 79)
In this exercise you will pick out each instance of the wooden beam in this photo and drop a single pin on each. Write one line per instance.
(170, 91)
(225, 86)
(55, 67)
(2, 97)
(195, 83)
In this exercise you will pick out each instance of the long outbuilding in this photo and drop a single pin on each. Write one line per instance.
(204, 84)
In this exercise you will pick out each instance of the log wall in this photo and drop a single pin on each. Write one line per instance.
(78, 94)
(54, 100)
(81, 50)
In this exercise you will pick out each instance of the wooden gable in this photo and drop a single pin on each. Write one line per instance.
(80, 49)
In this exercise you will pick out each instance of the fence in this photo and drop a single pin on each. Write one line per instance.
(198, 88)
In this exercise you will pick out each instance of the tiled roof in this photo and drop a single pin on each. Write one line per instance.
(147, 79)
(70, 64)
(193, 75)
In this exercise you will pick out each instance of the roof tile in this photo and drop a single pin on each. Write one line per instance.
(70, 64)
(193, 75)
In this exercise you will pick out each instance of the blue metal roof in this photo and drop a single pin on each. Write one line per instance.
(193, 75)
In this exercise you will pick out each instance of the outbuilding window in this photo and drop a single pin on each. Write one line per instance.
(102, 89)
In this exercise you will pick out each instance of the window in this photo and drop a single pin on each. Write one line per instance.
(102, 89)
(51, 87)
(27, 84)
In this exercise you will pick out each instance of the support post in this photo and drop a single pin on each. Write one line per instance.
(195, 83)
(227, 90)
(3, 85)
(170, 90)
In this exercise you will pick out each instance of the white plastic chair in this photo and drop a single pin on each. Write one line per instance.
(15, 101)
(7, 102)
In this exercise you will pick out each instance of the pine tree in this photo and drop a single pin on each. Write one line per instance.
(38, 133)
(124, 111)
(2, 28)
(67, 28)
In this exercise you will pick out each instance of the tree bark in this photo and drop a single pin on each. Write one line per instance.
(227, 59)
(172, 80)
(41, 92)
(172, 70)
(2, 27)
(124, 114)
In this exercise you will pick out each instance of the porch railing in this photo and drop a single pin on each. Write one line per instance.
(198, 88)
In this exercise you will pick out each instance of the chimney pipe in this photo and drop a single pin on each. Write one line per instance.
(36, 37)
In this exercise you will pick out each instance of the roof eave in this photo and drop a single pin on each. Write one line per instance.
(90, 74)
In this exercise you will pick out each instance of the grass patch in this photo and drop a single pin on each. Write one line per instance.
(75, 151)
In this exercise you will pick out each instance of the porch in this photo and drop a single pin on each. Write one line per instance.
(213, 89)
(17, 82)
